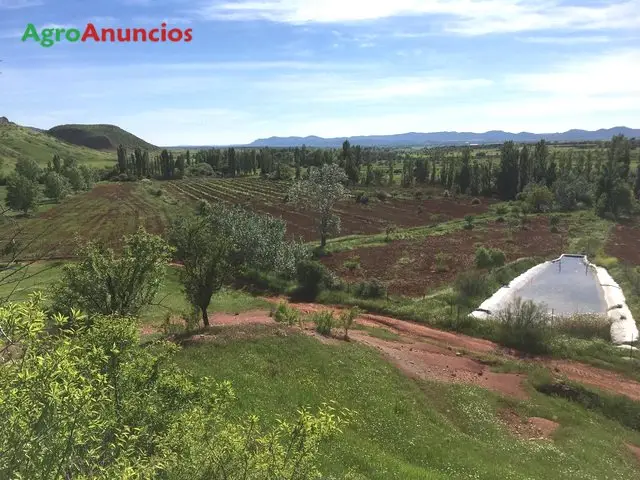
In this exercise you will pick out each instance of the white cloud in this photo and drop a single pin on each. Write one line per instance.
(572, 40)
(467, 17)
(355, 88)
(17, 4)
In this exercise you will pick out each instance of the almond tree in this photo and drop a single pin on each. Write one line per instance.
(320, 193)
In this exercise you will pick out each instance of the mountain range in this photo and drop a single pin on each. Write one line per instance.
(447, 138)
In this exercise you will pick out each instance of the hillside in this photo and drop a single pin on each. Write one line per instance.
(452, 138)
(18, 142)
(99, 137)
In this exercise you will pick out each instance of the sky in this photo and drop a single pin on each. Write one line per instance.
(332, 68)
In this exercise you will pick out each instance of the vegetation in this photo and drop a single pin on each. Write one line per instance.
(98, 137)
(107, 407)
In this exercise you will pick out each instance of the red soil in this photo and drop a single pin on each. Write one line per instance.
(624, 243)
(410, 268)
(534, 428)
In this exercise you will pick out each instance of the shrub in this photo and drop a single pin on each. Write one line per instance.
(362, 198)
(501, 210)
(489, 257)
(382, 195)
(311, 278)
(347, 318)
(442, 262)
(389, 231)
(286, 314)
(324, 321)
(469, 219)
(584, 326)
(476, 201)
(523, 325)
(554, 220)
(446, 194)
(370, 289)
(538, 197)
(352, 263)
(472, 285)
(200, 170)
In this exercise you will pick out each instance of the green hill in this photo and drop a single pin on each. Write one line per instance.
(99, 137)
(18, 142)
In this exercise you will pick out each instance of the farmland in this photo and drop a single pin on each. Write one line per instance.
(357, 219)
(104, 214)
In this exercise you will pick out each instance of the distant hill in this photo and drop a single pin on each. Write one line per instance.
(26, 142)
(447, 138)
(99, 137)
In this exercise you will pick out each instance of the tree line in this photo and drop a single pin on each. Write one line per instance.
(29, 184)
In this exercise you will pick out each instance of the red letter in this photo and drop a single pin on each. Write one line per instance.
(153, 32)
(90, 32)
(176, 32)
(187, 35)
(111, 32)
(139, 31)
(122, 38)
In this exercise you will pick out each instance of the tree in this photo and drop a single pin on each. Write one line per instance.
(619, 153)
(508, 176)
(540, 155)
(122, 159)
(88, 177)
(218, 243)
(636, 189)
(57, 164)
(321, 192)
(92, 402)
(526, 169)
(464, 177)
(23, 194)
(109, 284)
(28, 168)
(76, 178)
(56, 187)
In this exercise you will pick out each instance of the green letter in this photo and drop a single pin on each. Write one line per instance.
(31, 32)
(47, 35)
(72, 35)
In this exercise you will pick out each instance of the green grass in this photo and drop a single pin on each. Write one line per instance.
(406, 429)
(170, 299)
(19, 142)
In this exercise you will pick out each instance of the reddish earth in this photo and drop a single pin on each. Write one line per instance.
(534, 428)
(624, 243)
(268, 197)
(598, 378)
(635, 450)
(410, 268)
(426, 353)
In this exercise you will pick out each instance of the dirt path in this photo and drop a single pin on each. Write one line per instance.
(427, 353)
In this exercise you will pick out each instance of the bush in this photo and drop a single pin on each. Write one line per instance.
(389, 231)
(489, 257)
(584, 326)
(382, 195)
(523, 325)
(324, 321)
(347, 318)
(442, 262)
(472, 285)
(501, 210)
(538, 197)
(311, 278)
(476, 201)
(469, 219)
(286, 314)
(352, 263)
(200, 170)
(370, 289)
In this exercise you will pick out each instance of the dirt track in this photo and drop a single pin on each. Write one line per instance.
(427, 353)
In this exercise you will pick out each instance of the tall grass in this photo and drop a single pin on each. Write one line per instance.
(524, 325)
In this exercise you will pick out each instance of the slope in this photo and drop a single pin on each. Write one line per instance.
(22, 142)
(99, 137)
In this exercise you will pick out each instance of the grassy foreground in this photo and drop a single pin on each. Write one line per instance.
(406, 429)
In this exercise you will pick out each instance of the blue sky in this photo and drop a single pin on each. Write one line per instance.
(258, 68)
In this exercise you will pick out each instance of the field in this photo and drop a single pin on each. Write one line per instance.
(106, 213)
(414, 267)
(268, 197)
(20, 142)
